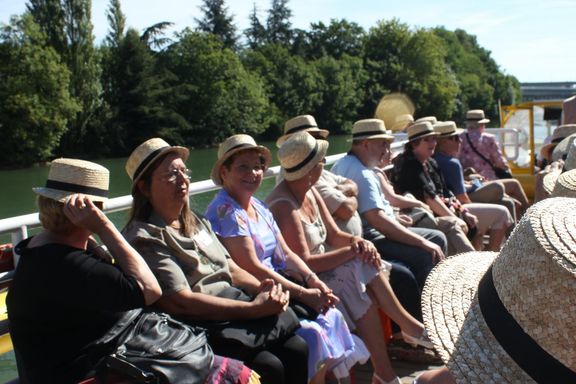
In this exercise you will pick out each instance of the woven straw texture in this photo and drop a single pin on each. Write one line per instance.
(565, 185)
(306, 123)
(535, 277)
(76, 172)
(296, 150)
(148, 152)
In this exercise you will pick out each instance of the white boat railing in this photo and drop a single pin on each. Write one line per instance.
(18, 226)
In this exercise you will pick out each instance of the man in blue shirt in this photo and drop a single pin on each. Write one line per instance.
(417, 249)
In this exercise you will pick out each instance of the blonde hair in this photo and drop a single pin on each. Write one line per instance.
(52, 215)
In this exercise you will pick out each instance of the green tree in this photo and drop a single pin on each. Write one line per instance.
(256, 33)
(67, 23)
(154, 35)
(336, 39)
(117, 23)
(214, 92)
(278, 24)
(36, 105)
(217, 22)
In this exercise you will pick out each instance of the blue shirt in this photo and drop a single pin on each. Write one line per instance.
(451, 170)
(370, 195)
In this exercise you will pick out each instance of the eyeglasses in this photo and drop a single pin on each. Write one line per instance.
(172, 175)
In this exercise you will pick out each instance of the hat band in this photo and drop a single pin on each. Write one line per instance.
(475, 118)
(146, 161)
(299, 128)
(417, 135)
(368, 133)
(533, 359)
(556, 140)
(239, 146)
(448, 133)
(306, 160)
(77, 188)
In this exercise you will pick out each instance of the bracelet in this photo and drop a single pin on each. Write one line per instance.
(308, 277)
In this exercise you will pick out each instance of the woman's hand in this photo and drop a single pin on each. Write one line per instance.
(366, 251)
(316, 299)
(82, 212)
(271, 299)
(470, 219)
(405, 220)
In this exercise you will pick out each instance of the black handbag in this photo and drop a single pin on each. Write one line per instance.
(501, 173)
(154, 348)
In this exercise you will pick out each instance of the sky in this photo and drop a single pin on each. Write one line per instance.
(529, 39)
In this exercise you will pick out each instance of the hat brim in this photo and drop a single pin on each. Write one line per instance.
(182, 152)
(316, 132)
(455, 133)
(322, 149)
(61, 196)
(456, 326)
(561, 150)
(481, 121)
(549, 181)
(423, 136)
(546, 149)
(215, 173)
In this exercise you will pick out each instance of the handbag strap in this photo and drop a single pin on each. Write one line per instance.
(478, 153)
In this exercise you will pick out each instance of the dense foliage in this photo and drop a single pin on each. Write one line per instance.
(62, 95)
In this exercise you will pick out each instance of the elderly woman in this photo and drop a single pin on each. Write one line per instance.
(247, 229)
(416, 172)
(353, 269)
(198, 278)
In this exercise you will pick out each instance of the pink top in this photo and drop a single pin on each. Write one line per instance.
(487, 145)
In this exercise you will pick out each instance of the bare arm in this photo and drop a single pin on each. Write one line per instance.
(395, 199)
(438, 206)
(83, 213)
(242, 278)
(464, 198)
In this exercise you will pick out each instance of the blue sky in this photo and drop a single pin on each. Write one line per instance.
(530, 39)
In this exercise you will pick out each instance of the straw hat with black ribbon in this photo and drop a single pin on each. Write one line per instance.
(558, 135)
(430, 119)
(299, 154)
(302, 123)
(393, 107)
(446, 129)
(233, 145)
(510, 317)
(70, 176)
(560, 151)
(368, 129)
(420, 130)
(476, 116)
(146, 153)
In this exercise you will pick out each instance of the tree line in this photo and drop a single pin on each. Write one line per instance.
(63, 95)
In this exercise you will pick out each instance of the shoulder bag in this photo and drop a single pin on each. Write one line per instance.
(500, 172)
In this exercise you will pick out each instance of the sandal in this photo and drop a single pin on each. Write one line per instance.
(423, 340)
(381, 380)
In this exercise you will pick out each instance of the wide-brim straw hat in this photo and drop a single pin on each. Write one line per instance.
(558, 135)
(146, 153)
(446, 129)
(402, 122)
(565, 185)
(477, 116)
(419, 130)
(430, 119)
(368, 129)
(392, 106)
(302, 123)
(549, 181)
(300, 154)
(233, 145)
(69, 176)
(570, 162)
(510, 317)
(560, 151)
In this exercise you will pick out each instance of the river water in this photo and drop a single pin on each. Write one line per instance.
(17, 197)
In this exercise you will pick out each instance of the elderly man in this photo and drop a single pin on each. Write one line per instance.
(417, 249)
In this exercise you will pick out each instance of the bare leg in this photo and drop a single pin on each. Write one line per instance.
(514, 189)
(320, 376)
(370, 331)
(497, 237)
(436, 376)
(381, 293)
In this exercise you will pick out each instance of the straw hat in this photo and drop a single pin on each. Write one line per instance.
(558, 135)
(549, 180)
(510, 317)
(146, 153)
(299, 154)
(235, 144)
(370, 129)
(69, 176)
(560, 151)
(570, 162)
(447, 129)
(430, 119)
(392, 106)
(477, 116)
(401, 122)
(565, 185)
(420, 130)
(301, 123)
